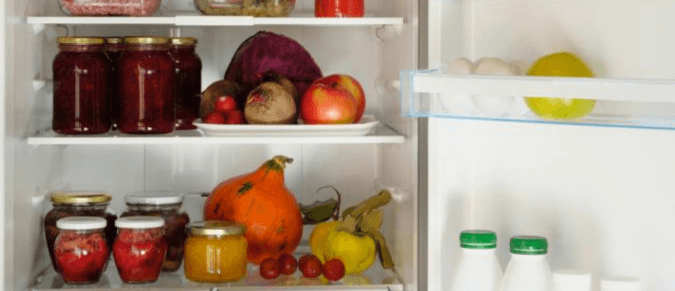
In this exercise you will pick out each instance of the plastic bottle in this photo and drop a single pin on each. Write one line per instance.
(478, 268)
(620, 284)
(572, 280)
(528, 269)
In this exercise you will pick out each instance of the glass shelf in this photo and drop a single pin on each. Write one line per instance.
(648, 104)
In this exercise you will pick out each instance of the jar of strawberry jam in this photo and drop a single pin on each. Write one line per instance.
(81, 87)
(114, 47)
(81, 250)
(78, 203)
(166, 205)
(139, 248)
(146, 86)
(188, 81)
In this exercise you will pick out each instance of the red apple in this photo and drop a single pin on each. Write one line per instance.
(214, 118)
(350, 84)
(324, 104)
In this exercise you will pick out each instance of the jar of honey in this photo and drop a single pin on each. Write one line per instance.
(215, 251)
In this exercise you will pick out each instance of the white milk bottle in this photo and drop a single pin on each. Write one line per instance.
(620, 284)
(528, 269)
(572, 280)
(478, 268)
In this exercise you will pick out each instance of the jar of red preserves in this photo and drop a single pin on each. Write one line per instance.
(114, 47)
(82, 203)
(139, 248)
(339, 8)
(81, 87)
(146, 86)
(166, 205)
(188, 81)
(81, 250)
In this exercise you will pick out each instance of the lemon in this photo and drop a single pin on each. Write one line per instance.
(562, 64)
(357, 253)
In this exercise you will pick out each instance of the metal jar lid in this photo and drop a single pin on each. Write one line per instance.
(80, 40)
(114, 40)
(80, 197)
(146, 40)
(183, 41)
(216, 228)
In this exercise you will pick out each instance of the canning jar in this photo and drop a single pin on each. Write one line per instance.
(146, 86)
(339, 8)
(109, 7)
(166, 205)
(81, 87)
(246, 7)
(80, 203)
(81, 249)
(114, 47)
(139, 248)
(188, 81)
(215, 251)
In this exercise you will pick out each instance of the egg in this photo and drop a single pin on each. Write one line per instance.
(519, 68)
(494, 105)
(454, 103)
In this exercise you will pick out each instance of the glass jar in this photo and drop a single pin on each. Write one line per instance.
(168, 206)
(215, 251)
(81, 87)
(339, 8)
(82, 203)
(246, 7)
(114, 47)
(188, 81)
(109, 7)
(140, 248)
(81, 249)
(146, 86)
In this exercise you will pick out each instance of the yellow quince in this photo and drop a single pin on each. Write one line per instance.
(357, 253)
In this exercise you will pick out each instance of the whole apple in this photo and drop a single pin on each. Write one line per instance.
(324, 104)
(350, 84)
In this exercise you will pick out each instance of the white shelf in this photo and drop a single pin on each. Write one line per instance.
(194, 19)
(381, 134)
(631, 103)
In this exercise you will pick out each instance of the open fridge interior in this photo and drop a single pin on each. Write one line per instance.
(597, 188)
(373, 50)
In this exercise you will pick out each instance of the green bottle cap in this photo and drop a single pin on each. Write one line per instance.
(478, 239)
(529, 245)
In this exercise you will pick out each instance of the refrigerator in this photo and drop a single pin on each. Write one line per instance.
(599, 189)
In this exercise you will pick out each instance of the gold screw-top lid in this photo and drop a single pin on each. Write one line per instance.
(114, 40)
(216, 228)
(146, 40)
(80, 40)
(183, 41)
(80, 197)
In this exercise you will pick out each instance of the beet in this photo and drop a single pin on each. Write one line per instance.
(270, 103)
(267, 52)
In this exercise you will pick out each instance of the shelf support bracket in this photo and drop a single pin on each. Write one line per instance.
(385, 32)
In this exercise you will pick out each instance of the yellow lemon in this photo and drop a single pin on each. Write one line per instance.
(562, 64)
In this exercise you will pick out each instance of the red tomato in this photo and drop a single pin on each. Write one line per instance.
(214, 118)
(287, 264)
(334, 270)
(310, 266)
(235, 117)
(339, 8)
(269, 268)
(225, 104)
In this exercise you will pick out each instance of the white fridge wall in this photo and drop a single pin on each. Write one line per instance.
(603, 197)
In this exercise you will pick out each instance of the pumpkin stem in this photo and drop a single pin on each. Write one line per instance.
(282, 161)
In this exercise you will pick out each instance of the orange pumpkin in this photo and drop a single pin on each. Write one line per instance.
(261, 201)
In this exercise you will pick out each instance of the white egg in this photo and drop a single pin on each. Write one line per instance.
(519, 68)
(454, 103)
(493, 105)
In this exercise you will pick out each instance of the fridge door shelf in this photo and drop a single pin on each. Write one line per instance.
(375, 279)
(648, 104)
(196, 19)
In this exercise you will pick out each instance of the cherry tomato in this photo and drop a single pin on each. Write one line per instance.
(235, 117)
(287, 264)
(269, 268)
(225, 104)
(334, 270)
(214, 118)
(310, 266)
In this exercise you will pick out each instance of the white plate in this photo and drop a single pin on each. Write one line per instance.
(368, 122)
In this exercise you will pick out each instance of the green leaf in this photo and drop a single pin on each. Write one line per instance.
(371, 221)
(318, 211)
